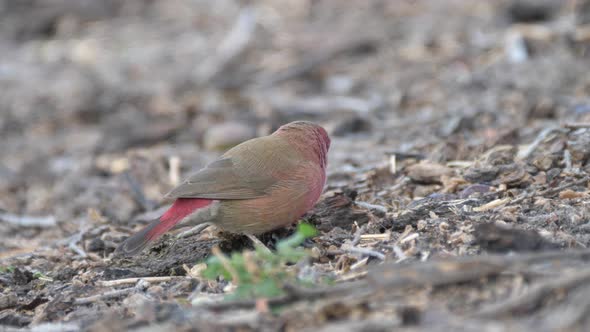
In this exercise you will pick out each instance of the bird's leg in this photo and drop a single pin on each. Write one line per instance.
(195, 230)
(257, 242)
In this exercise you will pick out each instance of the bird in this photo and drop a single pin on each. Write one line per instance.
(260, 185)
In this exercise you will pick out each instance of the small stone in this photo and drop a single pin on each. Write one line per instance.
(545, 108)
(528, 11)
(8, 301)
(425, 191)
(339, 84)
(500, 155)
(543, 162)
(95, 245)
(315, 252)
(421, 225)
(156, 290)
(476, 189)
(428, 172)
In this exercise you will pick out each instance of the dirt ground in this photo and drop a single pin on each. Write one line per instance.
(458, 181)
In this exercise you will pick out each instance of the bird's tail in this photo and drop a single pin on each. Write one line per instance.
(181, 208)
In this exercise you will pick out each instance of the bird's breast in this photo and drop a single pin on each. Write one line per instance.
(287, 201)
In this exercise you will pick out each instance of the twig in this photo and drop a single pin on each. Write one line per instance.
(72, 244)
(353, 275)
(551, 191)
(195, 230)
(370, 206)
(491, 205)
(408, 238)
(577, 125)
(364, 251)
(527, 301)
(392, 164)
(360, 263)
(127, 281)
(141, 285)
(460, 163)
(380, 237)
(28, 221)
(405, 180)
(522, 197)
(47, 327)
(567, 160)
(358, 234)
(103, 297)
(174, 170)
(556, 190)
(73, 240)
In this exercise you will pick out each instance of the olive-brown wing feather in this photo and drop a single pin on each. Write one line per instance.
(219, 180)
(247, 171)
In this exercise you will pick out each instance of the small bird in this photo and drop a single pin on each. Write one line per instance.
(257, 186)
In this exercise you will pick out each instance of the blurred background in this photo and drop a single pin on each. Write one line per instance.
(459, 128)
(107, 104)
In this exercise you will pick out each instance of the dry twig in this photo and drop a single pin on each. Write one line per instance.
(127, 281)
(531, 299)
(363, 251)
(28, 221)
(141, 285)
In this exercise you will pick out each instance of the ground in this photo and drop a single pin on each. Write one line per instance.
(458, 179)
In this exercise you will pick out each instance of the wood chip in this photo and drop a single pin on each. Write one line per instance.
(428, 172)
(570, 194)
(491, 205)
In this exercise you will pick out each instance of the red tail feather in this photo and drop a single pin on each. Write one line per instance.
(181, 208)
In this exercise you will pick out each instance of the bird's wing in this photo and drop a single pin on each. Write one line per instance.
(244, 172)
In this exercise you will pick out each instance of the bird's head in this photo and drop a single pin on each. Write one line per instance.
(309, 136)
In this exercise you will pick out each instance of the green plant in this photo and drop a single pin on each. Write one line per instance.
(260, 273)
(41, 276)
(7, 269)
